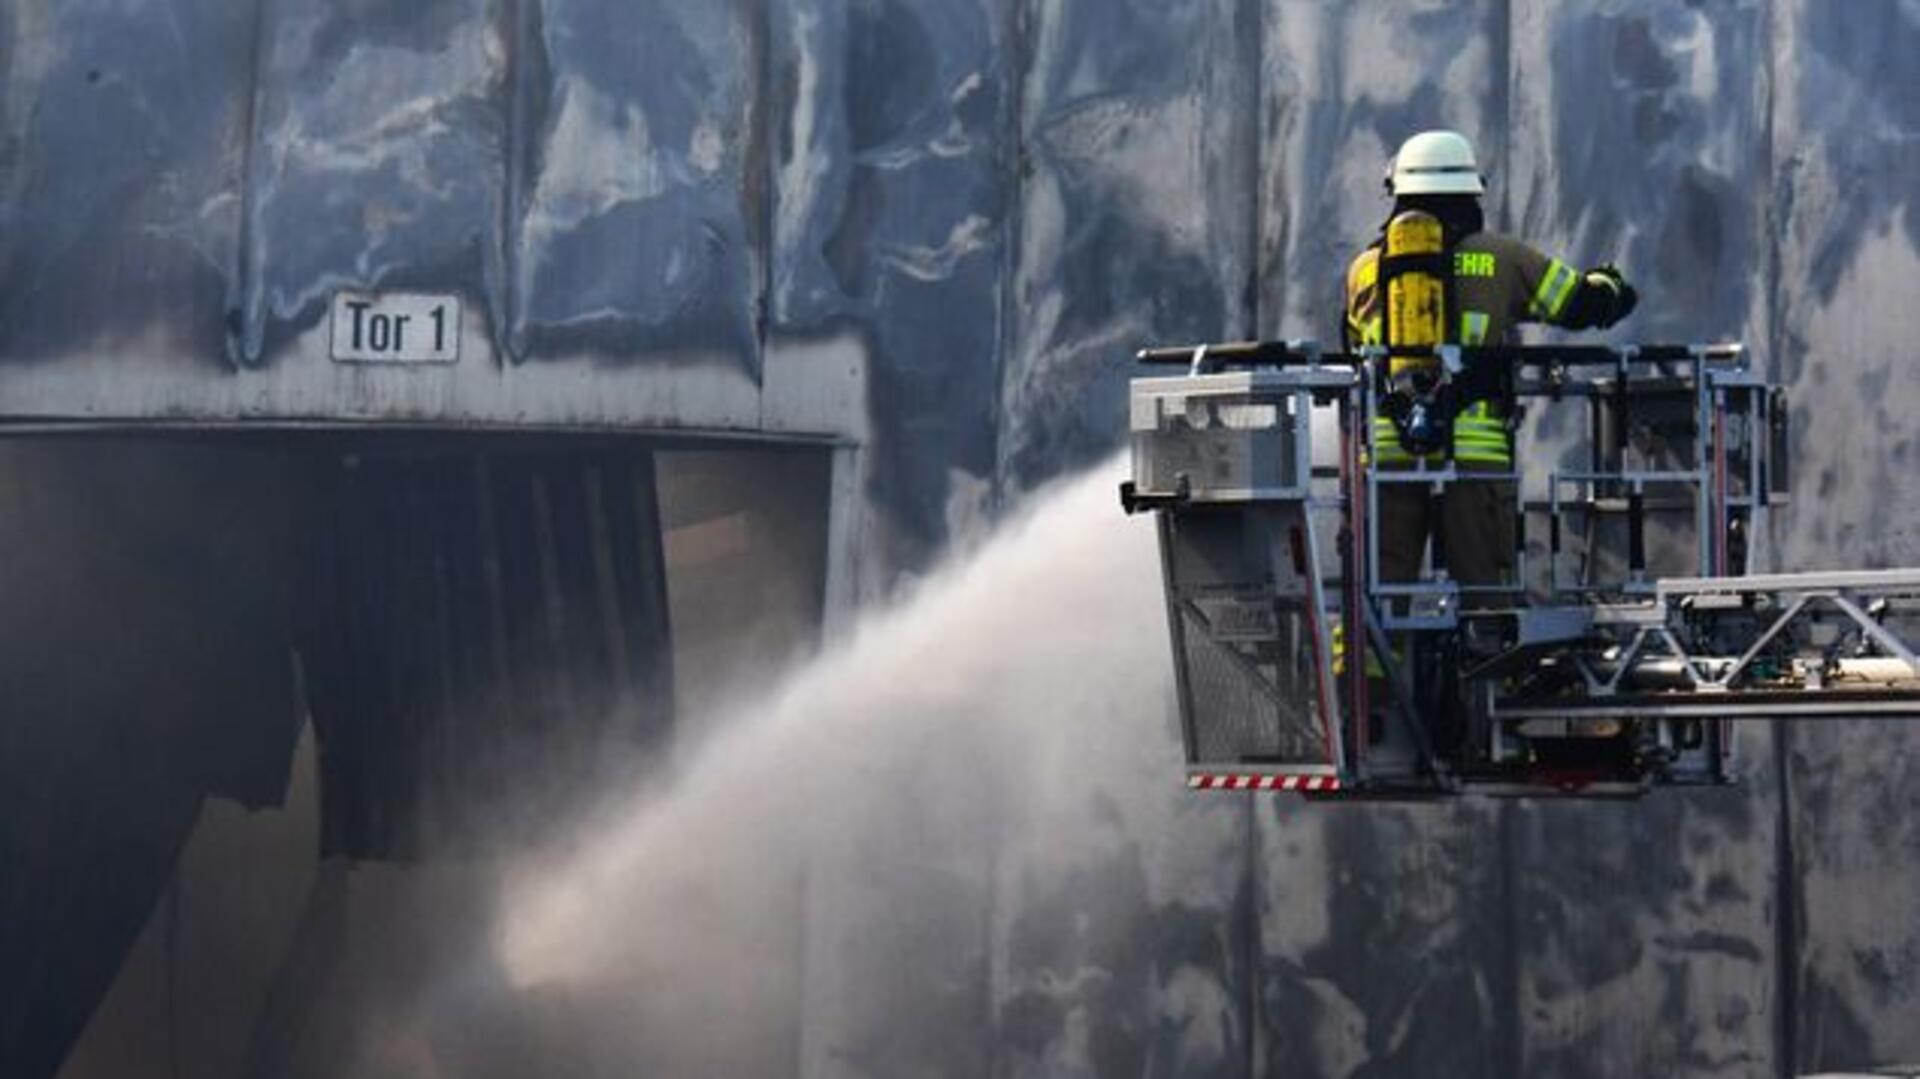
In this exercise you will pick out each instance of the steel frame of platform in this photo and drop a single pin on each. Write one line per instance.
(1678, 655)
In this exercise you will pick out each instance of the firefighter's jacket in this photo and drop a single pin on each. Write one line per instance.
(1498, 283)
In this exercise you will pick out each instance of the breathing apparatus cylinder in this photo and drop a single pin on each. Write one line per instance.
(1418, 291)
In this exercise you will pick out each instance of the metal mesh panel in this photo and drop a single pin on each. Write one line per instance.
(1240, 607)
(1250, 682)
(1253, 700)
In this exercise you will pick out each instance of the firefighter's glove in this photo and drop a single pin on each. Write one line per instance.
(1612, 299)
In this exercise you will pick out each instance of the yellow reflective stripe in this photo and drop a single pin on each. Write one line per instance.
(1392, 455)
(1387, 447)
(1384, 435)
(1473, 327)
(1395, 458)
(1481, 439)
(1564, 293)
(1479, 435)
(1372, 664)
(1556, 285)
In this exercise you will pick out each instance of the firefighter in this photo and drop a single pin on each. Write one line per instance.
(1494, 284)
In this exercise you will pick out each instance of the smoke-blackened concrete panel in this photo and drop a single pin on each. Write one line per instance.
(121, 138)
(1341, 86)
(1847, 137)
(1847, 146)
(1384, 944)
(1383, 940)
(639, 192)
(1138, 158)
(1638, 137)
(377, 161)
(1123, 935)
(1126, 953)
(1637, 133)
(1645, 931)
(892, 173)
(1855, 953)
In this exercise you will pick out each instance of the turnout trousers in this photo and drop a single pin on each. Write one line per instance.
(1474, 521)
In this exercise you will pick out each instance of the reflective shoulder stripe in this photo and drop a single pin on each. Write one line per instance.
(1556, 286)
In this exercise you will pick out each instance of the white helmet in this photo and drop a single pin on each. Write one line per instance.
(1435, 163)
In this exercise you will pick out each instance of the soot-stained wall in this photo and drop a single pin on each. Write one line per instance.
(988, 203)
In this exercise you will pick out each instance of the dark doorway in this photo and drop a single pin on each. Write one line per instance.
(485, 630)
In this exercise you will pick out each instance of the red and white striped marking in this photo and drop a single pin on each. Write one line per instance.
(1224, 781)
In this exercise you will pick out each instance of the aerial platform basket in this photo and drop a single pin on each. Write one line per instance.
(1615, 659)
(1249, 611)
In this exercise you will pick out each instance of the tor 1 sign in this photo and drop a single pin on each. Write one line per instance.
(396, 327)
